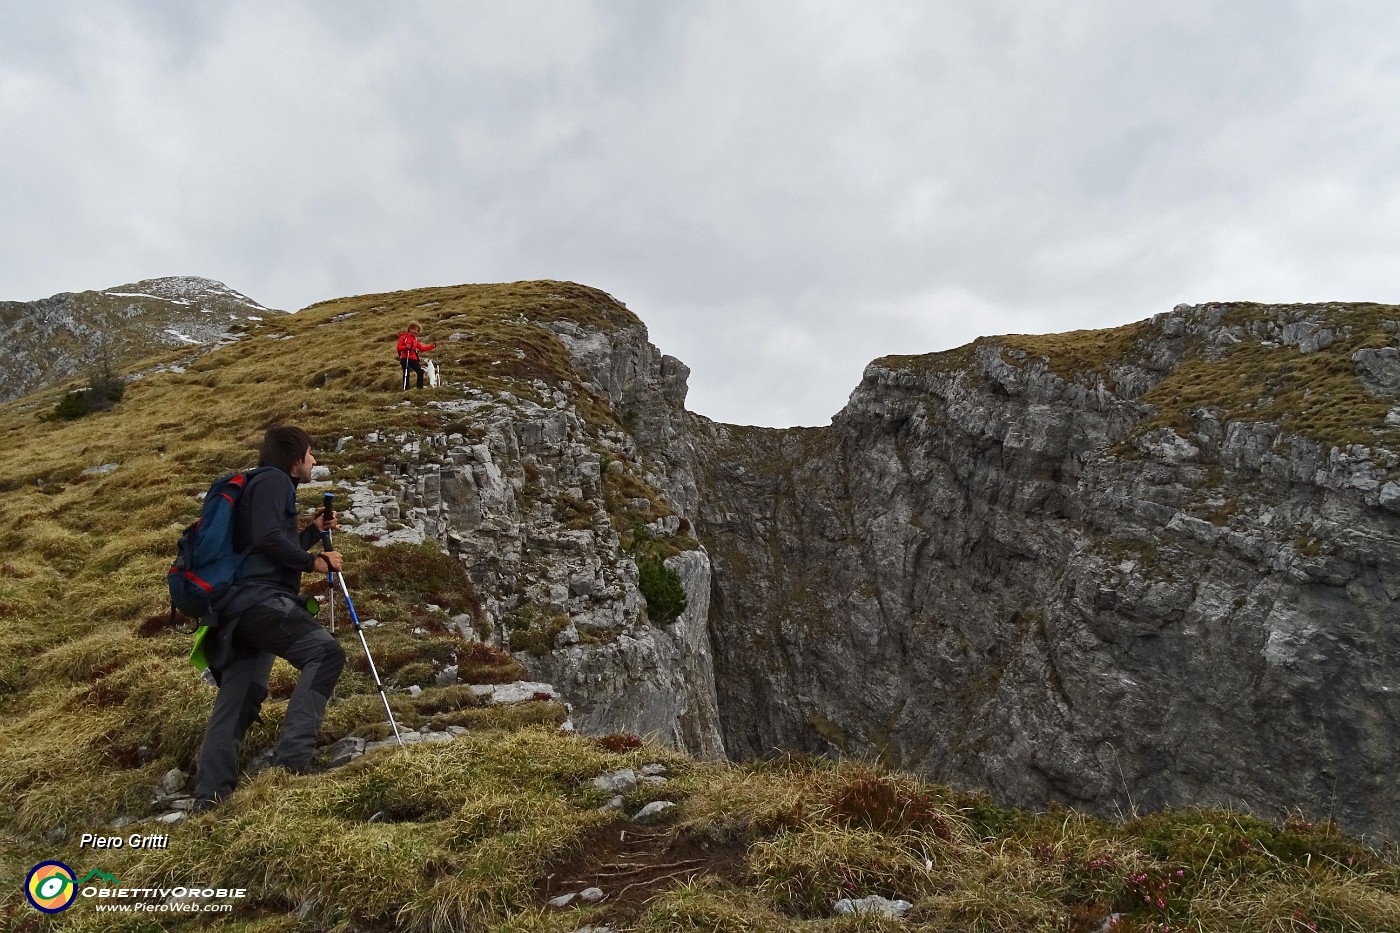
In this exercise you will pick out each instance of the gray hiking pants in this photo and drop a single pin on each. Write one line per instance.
(279, 628)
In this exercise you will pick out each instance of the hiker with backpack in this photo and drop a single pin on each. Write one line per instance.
(261, 617)
(409, 348)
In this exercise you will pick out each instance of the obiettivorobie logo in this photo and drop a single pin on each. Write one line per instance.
(52, 887)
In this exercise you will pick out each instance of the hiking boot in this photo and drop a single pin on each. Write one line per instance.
(204, 805)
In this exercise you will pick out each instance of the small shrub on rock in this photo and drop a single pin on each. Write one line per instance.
(662, 588)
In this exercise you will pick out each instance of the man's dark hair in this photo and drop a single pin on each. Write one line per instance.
(284, 446)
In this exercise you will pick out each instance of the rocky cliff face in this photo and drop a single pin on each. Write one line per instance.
(1124, 569)
(1121, 569)
(53, 339)
(547, 510)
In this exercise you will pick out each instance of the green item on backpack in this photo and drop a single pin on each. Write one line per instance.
(197, 659)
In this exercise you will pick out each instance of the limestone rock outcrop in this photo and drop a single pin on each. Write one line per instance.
(524, 503)
(1127, 569)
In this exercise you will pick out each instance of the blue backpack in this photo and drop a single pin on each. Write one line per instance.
(205, 561)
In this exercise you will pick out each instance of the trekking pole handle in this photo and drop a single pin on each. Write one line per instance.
(327, 510)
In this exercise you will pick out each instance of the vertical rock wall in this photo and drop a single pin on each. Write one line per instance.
(518, 498)
(997, 576)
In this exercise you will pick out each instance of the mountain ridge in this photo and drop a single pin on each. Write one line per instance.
(54, 339)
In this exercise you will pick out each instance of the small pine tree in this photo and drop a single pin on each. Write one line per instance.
(104, 390)
(661, 586)
(71, 406)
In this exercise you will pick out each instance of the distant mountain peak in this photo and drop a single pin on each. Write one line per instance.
(53, 339)
(182, 289)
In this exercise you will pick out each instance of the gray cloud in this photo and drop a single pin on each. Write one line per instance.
(782, 191)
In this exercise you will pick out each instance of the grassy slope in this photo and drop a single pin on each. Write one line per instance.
(96, 702)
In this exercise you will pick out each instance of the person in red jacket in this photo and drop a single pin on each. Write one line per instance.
(409, 348)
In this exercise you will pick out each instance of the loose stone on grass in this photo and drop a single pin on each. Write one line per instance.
(521, 691)
(173, 781)
(652, 810)
(618, 782)
(590, 895)
(874, 904)
(346, 750)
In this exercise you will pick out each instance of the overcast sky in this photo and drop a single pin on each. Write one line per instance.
(783, 191)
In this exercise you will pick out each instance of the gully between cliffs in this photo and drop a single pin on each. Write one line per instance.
(1119, 570)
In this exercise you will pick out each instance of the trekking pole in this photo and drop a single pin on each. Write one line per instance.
(327, 511)
(355, 620)
(377, 682)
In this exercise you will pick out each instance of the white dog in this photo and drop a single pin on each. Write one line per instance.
(430, 370)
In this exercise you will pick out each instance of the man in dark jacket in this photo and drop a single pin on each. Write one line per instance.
(266, 619)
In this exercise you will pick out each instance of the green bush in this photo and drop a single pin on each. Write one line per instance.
(71, 406)
(662, 588)
(104, 391)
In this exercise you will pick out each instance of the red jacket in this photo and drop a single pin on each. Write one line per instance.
(410, 347)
